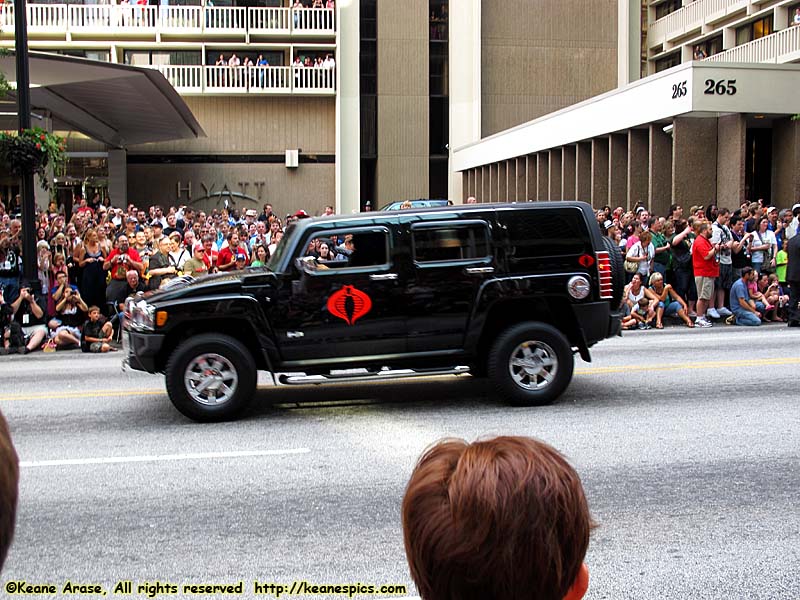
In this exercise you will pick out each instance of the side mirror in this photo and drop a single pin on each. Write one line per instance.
(306, 264)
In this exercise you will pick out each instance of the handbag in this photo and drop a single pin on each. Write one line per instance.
(631, 266)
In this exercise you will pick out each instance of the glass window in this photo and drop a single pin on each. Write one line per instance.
(668, 62)
(670, 6)
(157, 57)
(449, 243)
(101, 55)
(546, 233)
(755, 30)
(335, 250)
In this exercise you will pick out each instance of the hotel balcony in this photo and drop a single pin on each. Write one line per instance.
(192, 80)
(154, 22)
(692, 18)
(781, 47)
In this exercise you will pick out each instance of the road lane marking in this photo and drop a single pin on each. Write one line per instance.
(722, 364)
(110, 460)
(760, 362)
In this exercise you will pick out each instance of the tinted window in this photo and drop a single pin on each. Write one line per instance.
(343, 249)
(450, 243)
(542, 233)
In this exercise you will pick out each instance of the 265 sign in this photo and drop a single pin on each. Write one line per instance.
(679, 90)
(720, 88)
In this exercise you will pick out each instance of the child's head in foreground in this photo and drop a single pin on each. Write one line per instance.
(500, 519)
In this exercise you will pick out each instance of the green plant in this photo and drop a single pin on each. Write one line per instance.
(5, 87)
(33, 150)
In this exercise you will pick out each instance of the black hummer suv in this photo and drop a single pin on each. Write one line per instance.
(508, 291)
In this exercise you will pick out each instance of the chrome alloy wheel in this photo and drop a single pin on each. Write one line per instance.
(533, 365)
(211, 379)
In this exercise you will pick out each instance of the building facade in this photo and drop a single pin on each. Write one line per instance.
(359, 103)
(705, 110)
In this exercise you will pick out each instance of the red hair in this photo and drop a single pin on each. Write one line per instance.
(500, 519)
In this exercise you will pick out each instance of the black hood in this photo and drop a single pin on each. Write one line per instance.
(207, 285)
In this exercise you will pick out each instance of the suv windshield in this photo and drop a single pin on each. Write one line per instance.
(280, 250)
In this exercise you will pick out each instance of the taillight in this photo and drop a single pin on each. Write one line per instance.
(604, 274)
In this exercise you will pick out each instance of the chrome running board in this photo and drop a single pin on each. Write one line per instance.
(353, 375)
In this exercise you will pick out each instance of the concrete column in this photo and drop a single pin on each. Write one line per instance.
(542, 178)
(583, 171)
(522, 179)
(118, 177)
(464, 64)
(659, 175)
(478, 190)
(629, 27)
(554, 184)
(568, 157)
(493, 182)
(694, 162)
(530, 177)
(785, 162)
(403, 165)
(502, 181)
(638, 148)
(731, 148)
(599, 196)
(348, 110)
(617, 169)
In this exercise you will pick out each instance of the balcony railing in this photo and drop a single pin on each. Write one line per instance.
(690, 18)
(781, 47)
(201, 79)
(51, 19)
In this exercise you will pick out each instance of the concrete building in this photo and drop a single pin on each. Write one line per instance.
(704, 111)
(605, 101)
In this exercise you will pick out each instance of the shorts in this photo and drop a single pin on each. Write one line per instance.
(725, 279)
(31, 329)
(96, 347)
(672, 309)
(705, 287)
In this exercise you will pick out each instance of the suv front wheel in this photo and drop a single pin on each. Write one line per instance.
(211, 377)
(531, 364)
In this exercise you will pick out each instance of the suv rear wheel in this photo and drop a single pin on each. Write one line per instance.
(211, 377)
(531, 364)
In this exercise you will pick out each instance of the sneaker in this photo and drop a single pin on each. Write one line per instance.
(724, 312)
(712, 312)
(702, 322)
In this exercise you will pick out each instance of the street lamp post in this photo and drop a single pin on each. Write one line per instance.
(28, 204)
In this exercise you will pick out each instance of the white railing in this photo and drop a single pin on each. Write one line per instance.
(44, 17)
(314, 79)
(225, 18)
(186, 79)
(780, 47)
(314, 20)
(689, 18)
(268, 20)
(180, 18)
(104, 17)
(80, 18)
(198, 79)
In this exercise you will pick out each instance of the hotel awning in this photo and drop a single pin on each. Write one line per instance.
(119, 105)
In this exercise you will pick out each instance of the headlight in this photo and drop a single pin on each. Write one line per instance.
(141, 314)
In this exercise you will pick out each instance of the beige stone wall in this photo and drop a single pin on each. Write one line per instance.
(403, 105)
(310, 187)
(253, 125)
(538, 57)
(785, 162)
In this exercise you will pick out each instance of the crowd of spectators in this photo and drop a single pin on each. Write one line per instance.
(91, 262)
(711, 265)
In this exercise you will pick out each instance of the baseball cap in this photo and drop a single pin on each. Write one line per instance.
(640, 209)
(132, 220)
(771, 208)
(301, 214)
(251, 212)
(608, 224)
(241, 256)
(157, 224)
(795, 207)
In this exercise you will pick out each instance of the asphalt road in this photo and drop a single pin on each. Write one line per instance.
(688, 443)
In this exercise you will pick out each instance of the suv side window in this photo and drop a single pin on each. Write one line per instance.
(543, 233)
(447, 242)
(346, 250)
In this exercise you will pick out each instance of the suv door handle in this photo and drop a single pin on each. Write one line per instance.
(478, 270)
(383, 276)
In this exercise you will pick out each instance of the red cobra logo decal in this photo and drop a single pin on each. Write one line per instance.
(349, 304)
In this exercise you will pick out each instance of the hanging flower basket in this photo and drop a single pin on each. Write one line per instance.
(33, 150)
